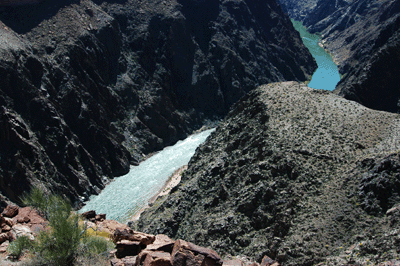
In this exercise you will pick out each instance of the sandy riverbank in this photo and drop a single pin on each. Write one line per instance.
(172, 181)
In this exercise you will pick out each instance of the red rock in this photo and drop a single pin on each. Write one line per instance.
(233, 263)
(267, 261)
(3, 237)
(100, 217)
(89, 215)
(110, 226)
(129, 234)
(31, 218)
(3, 246)
(6, 236)
(23, 220)
(162, 243)
(116, 262)
(11, 236)
(5, 228)
(8, 221)
(127, 261)
(22, 230)
(128, 248)
(153, 258)
(10, 211)
(186, 253)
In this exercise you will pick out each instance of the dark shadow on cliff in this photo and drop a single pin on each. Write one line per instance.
(23, 19)
(99, 2)
(202, 13)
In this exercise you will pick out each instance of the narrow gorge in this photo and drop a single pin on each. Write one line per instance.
(90, 88)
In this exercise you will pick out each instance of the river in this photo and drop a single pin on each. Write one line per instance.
(128, 194)
(327, 75)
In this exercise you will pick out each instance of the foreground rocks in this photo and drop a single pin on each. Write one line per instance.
(139, 249)
(300, 175)
(16, 221)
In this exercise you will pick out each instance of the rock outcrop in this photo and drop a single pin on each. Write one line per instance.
(89, 87)
(16, 222)
(363, 37)
(300, 175)
(139, 249)
(368, 53)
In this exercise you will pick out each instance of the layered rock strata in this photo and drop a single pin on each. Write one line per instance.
(300, 175)
(89, 87)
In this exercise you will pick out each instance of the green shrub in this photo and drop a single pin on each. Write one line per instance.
(16, 247)
(64, 239)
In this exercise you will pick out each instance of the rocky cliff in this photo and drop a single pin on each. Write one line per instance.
(301, 175)
(89, 87)
(363, 37)
(368, 53)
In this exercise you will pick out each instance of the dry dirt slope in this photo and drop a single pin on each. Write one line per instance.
(298, 174)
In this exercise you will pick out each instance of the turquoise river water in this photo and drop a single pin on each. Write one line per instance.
(127, 194)
(327, 75)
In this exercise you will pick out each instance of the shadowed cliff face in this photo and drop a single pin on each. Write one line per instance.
(87, 88)
(298, 174)
(369, 55)
(363, 36)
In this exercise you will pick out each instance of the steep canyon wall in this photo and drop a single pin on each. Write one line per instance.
(363, 37)
(89, 87)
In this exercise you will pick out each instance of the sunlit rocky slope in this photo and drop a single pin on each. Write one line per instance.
(301, 175)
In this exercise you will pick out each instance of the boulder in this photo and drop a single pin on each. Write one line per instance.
(10, 211)
(186, 253)
(5, 228)
(128, 248)
(162, 243)
(89, 215)
(22, 230)
(8, 221)
(100, 217)
(153, 258)
(110, 226)
(4, 246)
(267, 261)
(235, 262)
(8, 236)
(127, 261)
(129, 234)
(6, 224)
(30, 218)
(3, 237)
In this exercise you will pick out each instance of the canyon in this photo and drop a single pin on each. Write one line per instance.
(89, 88)
(363, 37)
(303, 176)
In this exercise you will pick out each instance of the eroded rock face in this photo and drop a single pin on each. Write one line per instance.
(293, 173)
(369, 53)
(363, 37)
(87, 90)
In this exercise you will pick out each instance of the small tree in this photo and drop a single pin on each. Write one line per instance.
(58, 244)
(64, 239)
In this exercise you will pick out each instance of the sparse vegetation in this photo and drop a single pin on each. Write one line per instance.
(65, 241)
(16, 247)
